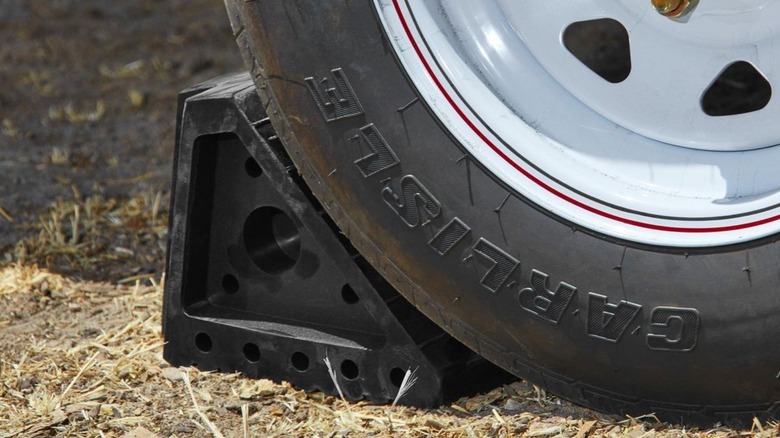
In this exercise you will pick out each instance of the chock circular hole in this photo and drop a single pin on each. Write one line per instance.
(251, 352)
(252, 168)
(230, 284)
(349, 370)
(300, 361)
(348, 295)
(272, 240)
(203, 342)
(397, 376)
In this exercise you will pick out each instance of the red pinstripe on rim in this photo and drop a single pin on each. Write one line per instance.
(548, 188)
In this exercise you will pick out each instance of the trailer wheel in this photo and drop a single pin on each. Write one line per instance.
(583, 193)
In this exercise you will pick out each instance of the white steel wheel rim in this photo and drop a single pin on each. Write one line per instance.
(505, 87)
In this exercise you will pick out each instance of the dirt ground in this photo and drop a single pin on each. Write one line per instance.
(87, 105)
(87, 116)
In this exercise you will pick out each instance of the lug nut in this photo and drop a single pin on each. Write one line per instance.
(672, 8)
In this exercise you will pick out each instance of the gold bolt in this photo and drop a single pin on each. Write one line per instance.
(672, 8)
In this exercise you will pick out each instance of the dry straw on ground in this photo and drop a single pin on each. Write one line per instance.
(83, 358)
(94, 237)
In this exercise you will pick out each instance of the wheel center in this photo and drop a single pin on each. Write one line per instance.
(673, 8)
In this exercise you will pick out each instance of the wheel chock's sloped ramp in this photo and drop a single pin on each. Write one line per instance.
(262, 282)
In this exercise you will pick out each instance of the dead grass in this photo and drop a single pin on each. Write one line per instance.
(90, 364)
(84, 358)
(84, 236)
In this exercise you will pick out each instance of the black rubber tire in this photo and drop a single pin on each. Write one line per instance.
(693, 335)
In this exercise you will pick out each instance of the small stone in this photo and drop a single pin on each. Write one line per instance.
(512, 406)
(520, 388)
(184, 428)
(433, 424)
(27, 384)
(172, 374)
(257, 389)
